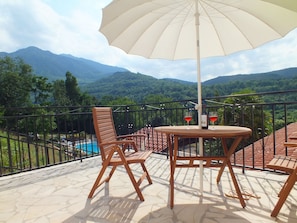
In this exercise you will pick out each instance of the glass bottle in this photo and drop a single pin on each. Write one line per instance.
(204, 118)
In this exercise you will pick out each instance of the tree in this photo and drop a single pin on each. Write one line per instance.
(169, 114)
(41, 90)
(72, 89)
(59, 94)
(87, 100)
(236, 114)
(111, 101)
(15, 83)
(42, 121)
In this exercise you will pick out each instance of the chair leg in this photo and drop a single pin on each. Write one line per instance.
(147, 174)
(144, 175)
(136, 187)
(284, 186)
(284, 194)
(129, 171)
(98, 181)
(110, 174)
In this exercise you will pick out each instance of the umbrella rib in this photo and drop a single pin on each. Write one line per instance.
(189, 7)
(238, 27)
(209, 17)
(172, 20)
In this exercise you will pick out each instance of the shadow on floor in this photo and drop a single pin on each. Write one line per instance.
(106, 209)
(192, 213)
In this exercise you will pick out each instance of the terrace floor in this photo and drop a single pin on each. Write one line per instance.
(59, 194)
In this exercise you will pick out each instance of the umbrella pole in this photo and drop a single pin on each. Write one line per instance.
(199, 110)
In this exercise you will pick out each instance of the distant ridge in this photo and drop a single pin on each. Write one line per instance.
(277, 74)
(53, 66)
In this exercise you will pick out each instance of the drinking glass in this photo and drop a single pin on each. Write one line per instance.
(213, 117)
(188, 117)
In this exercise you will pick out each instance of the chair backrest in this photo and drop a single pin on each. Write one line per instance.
(104, 129)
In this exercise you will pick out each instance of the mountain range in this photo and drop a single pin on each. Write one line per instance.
(101, 80)
(53, 66)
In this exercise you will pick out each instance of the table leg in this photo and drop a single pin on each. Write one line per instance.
(201, 151)
(238, 191)
(172, 167)
(228, 154)
(173, 154)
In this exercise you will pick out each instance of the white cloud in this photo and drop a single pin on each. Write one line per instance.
(27, 23)
(71, 26)
(275, 55)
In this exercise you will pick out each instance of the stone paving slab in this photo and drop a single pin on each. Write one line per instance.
(59, 194)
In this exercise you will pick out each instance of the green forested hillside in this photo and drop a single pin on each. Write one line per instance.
(137, 86)
(101, 80)
(277, 74)
(282, 80)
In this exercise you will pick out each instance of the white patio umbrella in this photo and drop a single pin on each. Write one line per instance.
(193, 29)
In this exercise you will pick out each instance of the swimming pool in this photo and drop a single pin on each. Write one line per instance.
(89, 147)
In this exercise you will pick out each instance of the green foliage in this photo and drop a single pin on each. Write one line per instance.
(40, 121)
(19, 87)
(41, 90)
(67, 93)
(59, 94)
(283, 80)
(15, 83)
(111, 101)
(72, 89)
(170, 114)
(249, 116)
(19, 155)
(137, 87)
(156, 99)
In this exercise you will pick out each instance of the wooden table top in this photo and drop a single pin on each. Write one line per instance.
(219, 131)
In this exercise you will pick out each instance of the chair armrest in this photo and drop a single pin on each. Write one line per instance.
(130, 136)
(125, 144)
(290, 144)
(117, 142)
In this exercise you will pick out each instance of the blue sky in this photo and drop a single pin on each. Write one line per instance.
(71, 27)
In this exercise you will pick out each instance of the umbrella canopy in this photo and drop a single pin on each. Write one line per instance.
(167, 28)
(193, 29)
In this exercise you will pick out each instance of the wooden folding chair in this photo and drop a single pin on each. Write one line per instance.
(289, 165)
(114, 150)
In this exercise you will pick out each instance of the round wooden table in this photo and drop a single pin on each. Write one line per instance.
(222, 132)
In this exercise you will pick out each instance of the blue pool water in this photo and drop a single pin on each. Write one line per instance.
(89, 147)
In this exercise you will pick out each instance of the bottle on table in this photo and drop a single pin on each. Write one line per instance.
(204, 116)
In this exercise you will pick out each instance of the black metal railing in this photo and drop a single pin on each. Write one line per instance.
(30, 139)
